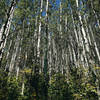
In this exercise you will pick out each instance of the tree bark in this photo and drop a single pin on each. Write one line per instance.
(5, 29)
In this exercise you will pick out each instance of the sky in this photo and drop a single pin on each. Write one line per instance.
(55, 6)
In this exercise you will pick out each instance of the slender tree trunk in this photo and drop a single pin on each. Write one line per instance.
(18, 60)
(74, 55)
(14, 55)
(8, 53)
(39, 33)
(1, 32)
(83, 50)
(96, 48)
(75, 31)
(49, 54)
(23, 86)
(5, 29)
(54, 56)
(36, 70)
(60, 28)
(70, 56)
(84, 36)
(83, 30)
(46, 54)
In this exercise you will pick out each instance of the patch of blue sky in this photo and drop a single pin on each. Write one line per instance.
(32, 0)
(50, 1)
(83, 6)
(80, 3)
(43, 13)
(28, 22)
(16, 6)
(55, 5)
(58, 2)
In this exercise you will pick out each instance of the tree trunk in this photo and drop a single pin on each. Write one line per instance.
(14, 54)
(5, 29)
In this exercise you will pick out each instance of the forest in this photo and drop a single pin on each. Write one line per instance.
(49, 49)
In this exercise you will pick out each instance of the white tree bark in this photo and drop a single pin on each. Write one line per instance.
(17, 74)
(54, 56)
(1, 32)
(70, 55)
(23, 86)
(5, 29)
(14, 55)
(87, 30)
(39, 33)
(8, 53)
(75, 31)
(18, 60)
(96, 48)
(47, 9)
(49, 54)
(60, 27)
(74, 55)
(83, 30)
(82, 53)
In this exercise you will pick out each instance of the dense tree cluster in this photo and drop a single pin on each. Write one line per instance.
(49, 50)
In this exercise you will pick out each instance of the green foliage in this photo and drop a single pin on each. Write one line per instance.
(83, 88)
(59, 88)
(3, 85)
(3, 10)
(77, 87)
(9, 87)
(13, 89)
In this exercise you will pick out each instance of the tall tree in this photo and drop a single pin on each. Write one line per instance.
(6, 27)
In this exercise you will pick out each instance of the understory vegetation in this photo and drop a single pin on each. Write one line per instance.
(75, 86)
